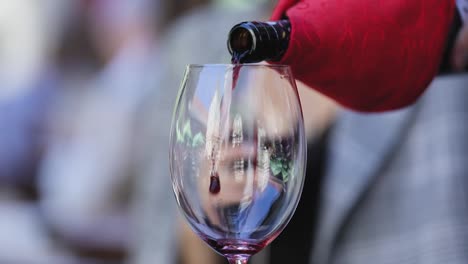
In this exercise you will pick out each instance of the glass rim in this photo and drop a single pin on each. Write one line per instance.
(230, 65)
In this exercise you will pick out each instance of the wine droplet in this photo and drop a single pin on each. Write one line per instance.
(215, 184)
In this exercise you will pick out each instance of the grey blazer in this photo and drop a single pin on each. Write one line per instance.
(396, 188)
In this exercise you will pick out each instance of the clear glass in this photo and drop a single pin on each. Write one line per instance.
(237, 154)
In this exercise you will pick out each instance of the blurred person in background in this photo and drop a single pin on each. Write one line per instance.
(104, 67)
(28, 35)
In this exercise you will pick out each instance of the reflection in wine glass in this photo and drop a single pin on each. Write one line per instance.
(237, 155)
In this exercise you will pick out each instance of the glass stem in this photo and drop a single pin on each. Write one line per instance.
(238, 260)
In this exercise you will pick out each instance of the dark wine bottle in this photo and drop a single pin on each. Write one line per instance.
(250, 42)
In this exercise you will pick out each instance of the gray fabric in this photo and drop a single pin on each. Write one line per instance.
(396, 188)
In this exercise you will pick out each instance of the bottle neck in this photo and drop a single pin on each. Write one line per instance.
(258, 41)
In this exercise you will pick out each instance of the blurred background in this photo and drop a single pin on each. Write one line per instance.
(87, 89)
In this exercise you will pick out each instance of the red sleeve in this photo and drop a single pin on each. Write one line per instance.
(368, 55)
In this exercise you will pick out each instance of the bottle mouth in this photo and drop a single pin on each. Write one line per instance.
(241, 39)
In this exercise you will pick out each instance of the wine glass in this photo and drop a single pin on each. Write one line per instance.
(237, 154)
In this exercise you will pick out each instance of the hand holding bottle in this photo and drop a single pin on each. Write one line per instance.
(367, 55)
